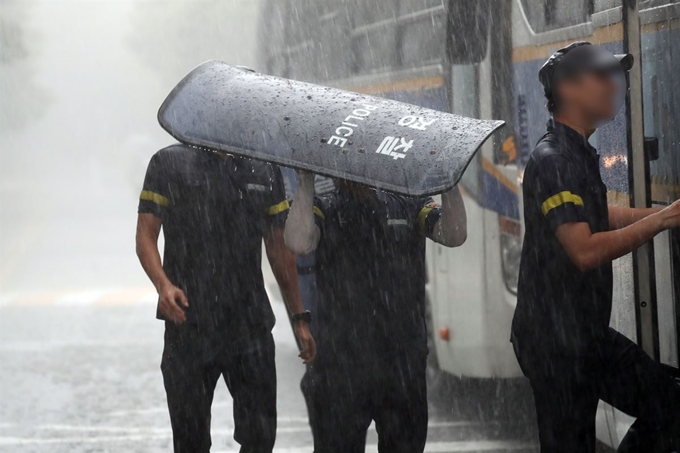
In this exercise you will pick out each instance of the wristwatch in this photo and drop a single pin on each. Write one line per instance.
(305, 316)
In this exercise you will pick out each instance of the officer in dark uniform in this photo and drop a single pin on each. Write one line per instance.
(371, 332)
(560, 331)
(215, 210)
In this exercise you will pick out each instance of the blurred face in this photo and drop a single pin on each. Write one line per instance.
(596, 95)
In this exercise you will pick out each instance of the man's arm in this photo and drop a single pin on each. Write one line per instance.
(588, 251)
(282, 262)
(451, 228)
(172, 299)
(301, 233)
(621, 217)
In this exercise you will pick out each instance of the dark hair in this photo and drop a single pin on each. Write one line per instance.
(546, 74)
(551, 104)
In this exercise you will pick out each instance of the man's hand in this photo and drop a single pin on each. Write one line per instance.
(670, 216)
(172, 300)
(308, 353)
(172, 304)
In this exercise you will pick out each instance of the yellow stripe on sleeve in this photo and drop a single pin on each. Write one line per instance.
(278, 208)
(319, 213)
(154, 197)
(422, 217)
(560, 199)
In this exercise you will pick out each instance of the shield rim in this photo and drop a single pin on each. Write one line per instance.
(495, 125)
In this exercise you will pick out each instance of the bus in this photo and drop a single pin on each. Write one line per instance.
(480, 58)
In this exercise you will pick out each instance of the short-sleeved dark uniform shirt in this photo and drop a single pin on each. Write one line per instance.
(215, 211)
(560, 309)
(371, 276)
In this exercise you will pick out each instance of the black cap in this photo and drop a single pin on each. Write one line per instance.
(576, 58)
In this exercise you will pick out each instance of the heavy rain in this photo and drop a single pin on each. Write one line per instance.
(339, 226)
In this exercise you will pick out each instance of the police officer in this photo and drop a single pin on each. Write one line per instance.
(560, 331)
(215, 210)
(370, 271)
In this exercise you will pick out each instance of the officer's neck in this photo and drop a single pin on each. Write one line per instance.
(575, 122)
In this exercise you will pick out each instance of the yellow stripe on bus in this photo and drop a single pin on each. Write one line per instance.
(400, 85)
(665, 192)
(490, 168)
(672, 24)
(661, 193)
(603, 35)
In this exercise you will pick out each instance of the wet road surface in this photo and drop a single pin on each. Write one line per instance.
(79, 372)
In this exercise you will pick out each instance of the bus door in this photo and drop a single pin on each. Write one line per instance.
(660, 49)
(653, 36)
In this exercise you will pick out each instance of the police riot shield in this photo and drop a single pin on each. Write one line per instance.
(369, 140)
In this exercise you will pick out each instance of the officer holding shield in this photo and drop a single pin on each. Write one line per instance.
(560, 331)
(372, 342)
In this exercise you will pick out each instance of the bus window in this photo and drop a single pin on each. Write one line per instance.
(374, 36)
(423, 39)
(546, 15)
(336, 60)
(467, 31)
(374, 50)
(278, 66)
(367, 12)
(414, 6)
(303, 31)
(273, 44)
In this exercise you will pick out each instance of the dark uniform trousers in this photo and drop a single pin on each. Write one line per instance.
(343, 400)
(190, 378)
(567, 389)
